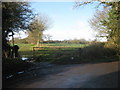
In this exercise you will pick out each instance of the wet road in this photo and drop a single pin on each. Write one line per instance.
(100, 75)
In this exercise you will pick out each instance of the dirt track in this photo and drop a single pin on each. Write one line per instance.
(101, 75)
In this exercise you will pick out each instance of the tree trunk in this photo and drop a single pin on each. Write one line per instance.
(38, 41)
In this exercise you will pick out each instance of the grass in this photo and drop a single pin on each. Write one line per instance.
(26, 49)
(89, 53)
(66, 45)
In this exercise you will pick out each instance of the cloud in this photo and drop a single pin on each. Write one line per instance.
(77, 30)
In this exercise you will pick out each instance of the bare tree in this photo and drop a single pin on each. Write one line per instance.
(47, 37)
(38, 25)
(96, 22)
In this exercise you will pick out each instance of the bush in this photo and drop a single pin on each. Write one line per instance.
(97, 51)
(113, 46)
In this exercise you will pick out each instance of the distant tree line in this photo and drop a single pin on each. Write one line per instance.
(74, 41)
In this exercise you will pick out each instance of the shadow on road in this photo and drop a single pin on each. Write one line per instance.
(110, 80)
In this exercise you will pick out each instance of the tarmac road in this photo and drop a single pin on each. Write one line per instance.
(95, 75)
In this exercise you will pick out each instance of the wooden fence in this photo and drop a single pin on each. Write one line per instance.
(52, 47)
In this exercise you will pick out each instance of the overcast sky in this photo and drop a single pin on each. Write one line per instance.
(67, 23)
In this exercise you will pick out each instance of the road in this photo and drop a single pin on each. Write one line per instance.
(94, 75)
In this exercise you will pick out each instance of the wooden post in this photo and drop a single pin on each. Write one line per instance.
(13, 54)
(12, 38)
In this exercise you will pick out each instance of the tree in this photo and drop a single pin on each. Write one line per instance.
(96, 22)
(112, 24)
(15, 17)
(17, 40)
(37, 26)
(47, 37)
(107, 24)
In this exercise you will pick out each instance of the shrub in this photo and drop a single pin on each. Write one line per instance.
(97, 51)
(113, 46)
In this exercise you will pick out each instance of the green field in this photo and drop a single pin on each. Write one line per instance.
(29, 47)
(66, 53)
(66, 45)
(48, 54)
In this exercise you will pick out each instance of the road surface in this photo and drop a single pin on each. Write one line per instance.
(94, 75)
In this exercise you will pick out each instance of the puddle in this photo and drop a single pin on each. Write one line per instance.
(10, 76)
(20, 72)
(24, 58)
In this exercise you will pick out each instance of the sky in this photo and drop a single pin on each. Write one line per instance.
(67, 22)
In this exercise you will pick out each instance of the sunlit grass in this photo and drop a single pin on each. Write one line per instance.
(26, 50)
(67, 55)
(25, 47)
(65, 45)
